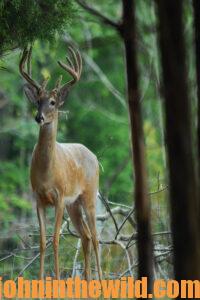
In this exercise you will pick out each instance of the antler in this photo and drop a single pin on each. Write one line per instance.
(74, 67)
(26, 58)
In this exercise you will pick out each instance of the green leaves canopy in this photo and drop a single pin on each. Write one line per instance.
(23, 21)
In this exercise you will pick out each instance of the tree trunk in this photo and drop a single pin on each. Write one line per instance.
(182, 179)
(142, 204)
(196, 9)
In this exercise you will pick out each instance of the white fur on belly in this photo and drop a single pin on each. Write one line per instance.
(68, 200)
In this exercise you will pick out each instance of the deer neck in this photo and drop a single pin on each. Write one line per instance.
(46, 144)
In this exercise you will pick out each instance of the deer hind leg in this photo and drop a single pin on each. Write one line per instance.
(42, 224)
(75, 213)
(58, 222)
(89, 206)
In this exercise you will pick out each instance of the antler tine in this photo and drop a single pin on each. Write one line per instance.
(73, 53)
(27, 55)
(70, 62)
(74, 66)
(78, 60)
(58, 83)
(29, 61)
(80, 63)
(69, 70)
(44, 83)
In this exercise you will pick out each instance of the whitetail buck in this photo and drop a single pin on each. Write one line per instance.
(62, 175)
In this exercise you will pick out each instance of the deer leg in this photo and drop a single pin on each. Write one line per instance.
(56, 237)
(76, 217)
(42, 224)
(90, 211)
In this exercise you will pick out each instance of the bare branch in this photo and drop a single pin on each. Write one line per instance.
(126, 242)
(104, 200)
(127, 255)
(78, 247)
(98, 71)
(159, 191)
(124, 221)
(103, 19)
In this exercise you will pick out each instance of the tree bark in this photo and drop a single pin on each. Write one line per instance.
(196, 10)
(182, 176)
(142, 204)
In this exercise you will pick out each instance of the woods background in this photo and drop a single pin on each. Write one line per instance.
(156, 40)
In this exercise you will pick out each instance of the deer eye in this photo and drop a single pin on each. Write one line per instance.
(52, 102)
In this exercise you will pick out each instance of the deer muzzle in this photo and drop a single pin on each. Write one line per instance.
(39, 118)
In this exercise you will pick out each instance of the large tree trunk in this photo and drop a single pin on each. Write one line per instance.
(182, 179)
(142, 204)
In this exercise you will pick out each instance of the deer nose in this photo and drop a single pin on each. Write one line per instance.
(39, 118)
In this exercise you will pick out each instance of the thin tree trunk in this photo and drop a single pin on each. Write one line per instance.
(182, 179)
(196, 9)
(126, 28)
(145, 248)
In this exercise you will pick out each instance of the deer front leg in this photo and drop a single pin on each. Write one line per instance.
(42, 224)
(58, 222)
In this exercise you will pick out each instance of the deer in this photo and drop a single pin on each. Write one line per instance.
(62, 175)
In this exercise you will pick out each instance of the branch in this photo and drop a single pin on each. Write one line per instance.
(159, 191)
(32, 261)
(127, 256)
(48, 244)
(115, 211)
(104, 200)
(6, 257)
(124, 221)
(76, 257)
(164, 255)
(103, 19)
(119, 204)
(98, 71)
(95, 67)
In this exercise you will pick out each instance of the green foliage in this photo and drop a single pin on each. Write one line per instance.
(12, 177)
(24, 21)
(13, 187)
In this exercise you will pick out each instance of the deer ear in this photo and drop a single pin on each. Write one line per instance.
(63, 93)
(31, 93)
